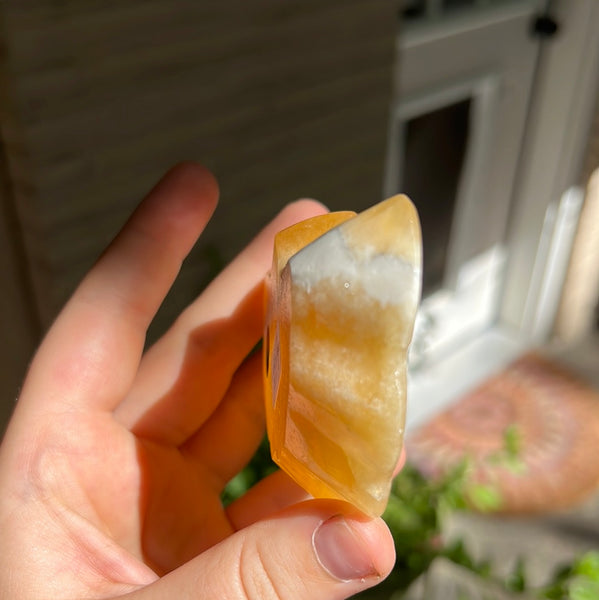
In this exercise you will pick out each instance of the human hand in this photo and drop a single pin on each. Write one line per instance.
(112, 467)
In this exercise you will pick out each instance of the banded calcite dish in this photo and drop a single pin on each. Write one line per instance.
(342, 296)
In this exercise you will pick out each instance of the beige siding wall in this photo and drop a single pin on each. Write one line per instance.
(280, 99)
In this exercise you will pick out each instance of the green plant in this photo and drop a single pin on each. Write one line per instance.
(259, 467)
(417, 509)
(578, 581)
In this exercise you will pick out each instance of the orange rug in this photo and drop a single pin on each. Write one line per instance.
(556, 417)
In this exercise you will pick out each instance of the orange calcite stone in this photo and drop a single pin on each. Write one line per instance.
(341, 303)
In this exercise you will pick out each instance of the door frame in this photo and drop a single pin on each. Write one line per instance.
(563, 103)
(498, 81)
(562, 108)
(560, 114)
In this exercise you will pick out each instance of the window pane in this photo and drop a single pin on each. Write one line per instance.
(435, 148)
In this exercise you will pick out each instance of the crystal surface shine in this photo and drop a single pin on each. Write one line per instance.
(341, 302)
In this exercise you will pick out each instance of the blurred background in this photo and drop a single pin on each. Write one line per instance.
(484, 111)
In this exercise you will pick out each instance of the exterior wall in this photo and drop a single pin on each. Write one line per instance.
(280, 99)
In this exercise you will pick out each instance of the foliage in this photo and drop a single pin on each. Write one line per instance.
(258, 468)
(417, 510)
(578, 581)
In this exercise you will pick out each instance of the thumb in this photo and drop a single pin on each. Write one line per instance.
(311, 551)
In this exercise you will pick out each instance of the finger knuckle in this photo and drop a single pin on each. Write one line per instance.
(261, 576)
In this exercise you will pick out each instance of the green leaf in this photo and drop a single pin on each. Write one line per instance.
(583, 589)
(516, 581)
(512, 441)
(588, 566)
(484, 498)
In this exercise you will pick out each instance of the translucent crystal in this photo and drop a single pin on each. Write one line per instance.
(341, 302)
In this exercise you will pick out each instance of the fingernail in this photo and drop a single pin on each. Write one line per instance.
(341, 551)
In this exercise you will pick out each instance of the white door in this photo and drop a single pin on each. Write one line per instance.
(466, 71)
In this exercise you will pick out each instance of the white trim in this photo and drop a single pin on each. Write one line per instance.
(564, 224)
(560, 118)
(556, 137)
(432, 389)
(483, 91)
(450, 316)
(485, 94)
(426, 31)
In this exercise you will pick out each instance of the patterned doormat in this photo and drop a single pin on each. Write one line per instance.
(555, 417)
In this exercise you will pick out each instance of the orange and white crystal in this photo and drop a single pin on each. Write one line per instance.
(342, 298)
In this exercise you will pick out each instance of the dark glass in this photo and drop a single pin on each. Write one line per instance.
(435, 149)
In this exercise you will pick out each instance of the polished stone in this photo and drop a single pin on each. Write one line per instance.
(341, 303)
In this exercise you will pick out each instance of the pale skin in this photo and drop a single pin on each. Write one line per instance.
(113, 464)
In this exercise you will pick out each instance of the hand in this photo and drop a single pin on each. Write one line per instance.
(113, 464)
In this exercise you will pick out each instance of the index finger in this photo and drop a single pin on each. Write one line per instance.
(184, 376)
(90, 355)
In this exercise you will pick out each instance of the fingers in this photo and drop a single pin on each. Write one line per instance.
(226, 442)
(400, 463)
(91, 354)
(184, 376)
(317, 550)
(271, 495)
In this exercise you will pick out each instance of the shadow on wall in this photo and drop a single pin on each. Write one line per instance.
(280, 100)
